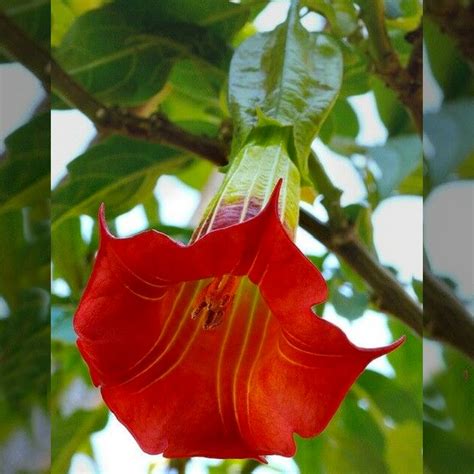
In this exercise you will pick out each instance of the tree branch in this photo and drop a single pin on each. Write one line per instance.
(445, 317)
(456, 20)
(391, 296)
(405, 82)
(156, 129)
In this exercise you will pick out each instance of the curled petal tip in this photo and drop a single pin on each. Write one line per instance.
(274, 198)
(380, 351)
(397, 343)
(104, 230)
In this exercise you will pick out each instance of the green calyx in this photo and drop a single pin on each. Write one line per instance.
(251, 178)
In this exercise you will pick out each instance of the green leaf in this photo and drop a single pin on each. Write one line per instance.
(449, 131)
(120, 61)
(418, 288)
(70, 434)
(393, 114)
(349, 302)
(408, 361)
(456, 385)
(392, 400)
(192, 98)
(357, 443)
(65, 12)
(24, 175)
(32, 16)
(222, 17)
(404, 448)
(413, 183)
(182, 234)
(309, 454)
(396, 160)
(120, 172)
(401, 8)
(197, 174)
(151, 206)
(444, 452)
(447, 65)
(356, 77)
(466, 169)
(341, 14)
(70, 254)
(404, 14)
(341, 122)
(25, 355)
(24, 255)
(291, 76)
(13, 248)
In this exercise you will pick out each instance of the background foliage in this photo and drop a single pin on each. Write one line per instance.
(172, 58)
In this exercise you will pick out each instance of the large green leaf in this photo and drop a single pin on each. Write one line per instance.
(291, 76)
(396, 159)
(222, 17)
(120, 172)
(24, 174)
(191, 98)
(449, 131)
(122, 61)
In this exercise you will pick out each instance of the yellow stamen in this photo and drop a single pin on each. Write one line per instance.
(215, 300)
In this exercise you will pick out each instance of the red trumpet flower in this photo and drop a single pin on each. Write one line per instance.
(212, 348)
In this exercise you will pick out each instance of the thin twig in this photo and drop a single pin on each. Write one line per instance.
(445, 317)
(405, 82)
(177, 465)
(155, 129)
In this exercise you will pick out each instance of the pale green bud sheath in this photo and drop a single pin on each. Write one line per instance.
(250, 180)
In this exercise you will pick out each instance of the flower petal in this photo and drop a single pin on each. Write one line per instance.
(270, 369)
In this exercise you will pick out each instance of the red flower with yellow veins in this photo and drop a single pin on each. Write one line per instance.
(212, 348)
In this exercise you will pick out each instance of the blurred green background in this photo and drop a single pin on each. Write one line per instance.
(369, 148)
